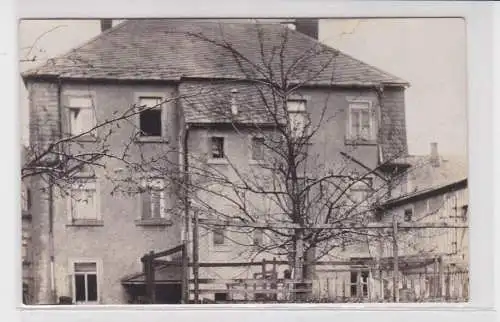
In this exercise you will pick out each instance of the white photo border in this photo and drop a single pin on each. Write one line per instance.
(479, 19)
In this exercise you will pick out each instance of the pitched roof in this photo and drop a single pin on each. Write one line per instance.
(427, 179)
(168, 49)
(212, 103)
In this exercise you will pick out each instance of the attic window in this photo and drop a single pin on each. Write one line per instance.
(150, 119)
(217, 147)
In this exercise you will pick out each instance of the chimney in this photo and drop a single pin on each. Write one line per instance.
(234, 104)
(106, 24)
(307, 26)
(434, 155)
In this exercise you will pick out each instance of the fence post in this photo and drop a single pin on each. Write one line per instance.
(196, 269)
(395, 256)
(441, 277)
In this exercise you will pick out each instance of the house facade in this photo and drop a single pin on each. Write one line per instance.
(200, 108)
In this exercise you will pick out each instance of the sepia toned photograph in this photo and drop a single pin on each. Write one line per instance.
(244, 161)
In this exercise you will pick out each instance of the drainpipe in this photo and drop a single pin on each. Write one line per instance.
(186, 215)
(51, 205)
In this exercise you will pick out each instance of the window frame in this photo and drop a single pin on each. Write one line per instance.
(409, 207)
(351, 139)
(69, 108)
(299, 111)
(85, 181)
(211, 159)
(360, 282)
(354, 188)
(163, 116)
(164, 218)
(252, 139)
(72, 274)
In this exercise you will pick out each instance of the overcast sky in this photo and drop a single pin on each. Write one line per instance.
(429, 53)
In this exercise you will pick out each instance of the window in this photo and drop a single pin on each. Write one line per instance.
(298, 117)
(465, 210)
(220, 297)
(153, 199)
(85, 288)
(408, 214)
(359, 284)
(360, 191)
(258, 148)
(219, 236)
(81, 115)
(360, 121)
(150, 120)
(217, 148)
(258, 237)
(83, 201)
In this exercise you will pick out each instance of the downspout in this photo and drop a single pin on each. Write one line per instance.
(186, 214)
(51, 204)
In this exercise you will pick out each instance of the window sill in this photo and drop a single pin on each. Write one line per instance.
(360, 142)
(153, 222)
(257, 162)
(86, 222)
(150, 139)
(218, 161)
(221, 248)
(85, 138)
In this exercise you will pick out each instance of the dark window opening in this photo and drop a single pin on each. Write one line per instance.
(220, 297)
(150, 122)
(92, 287)
(219, 236)
(465, 210)
(408, 214)
(359, 287)
(217, 147)
(80, 288)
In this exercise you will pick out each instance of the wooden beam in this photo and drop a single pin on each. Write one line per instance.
(407, 225)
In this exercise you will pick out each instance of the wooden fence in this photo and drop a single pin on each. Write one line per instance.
(338, 285)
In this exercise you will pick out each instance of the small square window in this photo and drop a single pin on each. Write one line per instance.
(219, 236)
(217, 148)
(150, 120)
(408, 214)
(258, 237)
(257, 148)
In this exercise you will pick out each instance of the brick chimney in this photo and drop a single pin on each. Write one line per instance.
(307, 26)
(434, 157)
(106, 24)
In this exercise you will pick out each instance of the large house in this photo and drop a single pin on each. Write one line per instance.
(206, 87)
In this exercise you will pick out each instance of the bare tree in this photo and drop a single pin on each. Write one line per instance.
(295, 187)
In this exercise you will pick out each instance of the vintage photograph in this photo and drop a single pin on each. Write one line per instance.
(249, 161)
